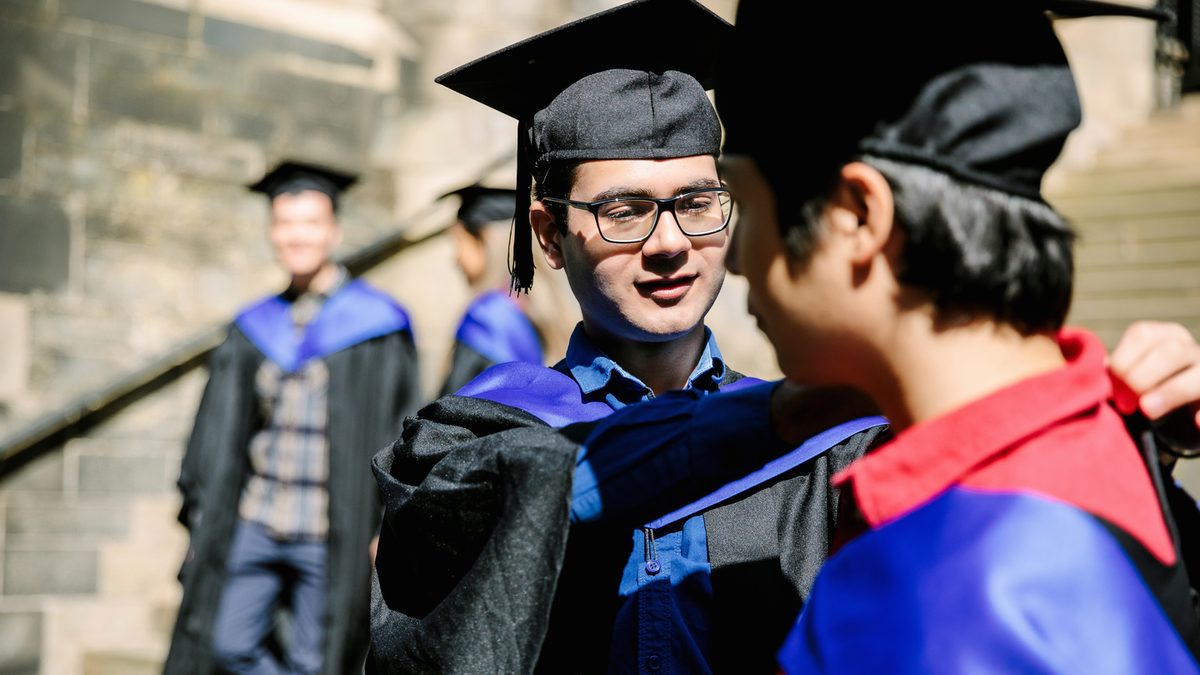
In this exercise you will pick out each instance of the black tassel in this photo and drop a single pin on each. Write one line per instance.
(520, 265)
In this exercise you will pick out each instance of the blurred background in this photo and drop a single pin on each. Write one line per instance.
(128, 129)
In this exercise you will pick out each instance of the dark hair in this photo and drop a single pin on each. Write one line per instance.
(974, 250)
(556, 180)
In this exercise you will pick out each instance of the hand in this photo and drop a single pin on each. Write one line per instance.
(1156, 368)
(799, 413)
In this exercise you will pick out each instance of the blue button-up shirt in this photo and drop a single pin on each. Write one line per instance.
(663, 624)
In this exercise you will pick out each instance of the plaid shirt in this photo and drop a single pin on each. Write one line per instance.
(287, 491)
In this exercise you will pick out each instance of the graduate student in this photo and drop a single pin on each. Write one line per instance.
(476, 570)
(278, 496)
(495, 327)
(1012, 525)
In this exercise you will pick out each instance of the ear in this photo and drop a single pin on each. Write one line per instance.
(862, 208)
(545, 227)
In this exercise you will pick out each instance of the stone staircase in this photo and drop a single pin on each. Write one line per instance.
(90, 545)
(1137, 211)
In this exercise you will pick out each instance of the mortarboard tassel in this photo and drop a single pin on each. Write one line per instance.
(521, 264)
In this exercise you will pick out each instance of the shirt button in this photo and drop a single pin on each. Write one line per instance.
(652, 568)
(654, 664)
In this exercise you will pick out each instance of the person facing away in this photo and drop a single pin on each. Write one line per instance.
(495, 327)
(476, 570)
(277, 492)
(1012, 525)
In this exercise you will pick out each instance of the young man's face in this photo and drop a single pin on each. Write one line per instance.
(801, 306)
(652, 291)
(304, 231)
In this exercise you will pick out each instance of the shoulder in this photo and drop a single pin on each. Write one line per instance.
(236, 345)
(256, 308)
(545, 392)
(365, 297)
(1009, 581)
(1091, 463)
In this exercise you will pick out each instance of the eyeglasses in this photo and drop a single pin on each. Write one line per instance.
(629, 220)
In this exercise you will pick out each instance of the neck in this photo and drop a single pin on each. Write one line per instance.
(662, 366)
(927, 371)
(319, 281)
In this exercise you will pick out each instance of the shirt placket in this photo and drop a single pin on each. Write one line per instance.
(654, 603)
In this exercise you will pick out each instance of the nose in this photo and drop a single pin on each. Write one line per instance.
(667, 240)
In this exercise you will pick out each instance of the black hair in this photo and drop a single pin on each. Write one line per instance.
(974, 250)
(556, 180)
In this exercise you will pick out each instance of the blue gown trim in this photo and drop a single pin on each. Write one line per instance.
(354, 314)
(556, 399)
(542, 392)
(495, 327)
(813, 447)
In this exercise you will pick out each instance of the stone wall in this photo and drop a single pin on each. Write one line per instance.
(127, 132)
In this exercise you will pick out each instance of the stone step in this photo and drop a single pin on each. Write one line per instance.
(1182, 121)
(145, 565)
(1120, 253)
(73, 629)
(1142, 279)
(55, 514)
(43, 474)
(1183, 307)
(123, 663)
(1147, 204)
(33, 570)
(1104, 179)
(1173, 227)
(1165, 127)
(1168, 139)
(112, 466)
(1136, 156)
(20, 639)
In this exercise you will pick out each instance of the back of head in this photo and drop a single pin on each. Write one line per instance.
(963, 107)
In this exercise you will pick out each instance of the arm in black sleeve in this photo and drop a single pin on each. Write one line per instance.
(210, 419)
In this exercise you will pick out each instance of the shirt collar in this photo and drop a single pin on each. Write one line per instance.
(596, 372)
(925, 459)
(341, 276)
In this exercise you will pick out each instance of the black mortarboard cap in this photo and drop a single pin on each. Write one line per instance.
(292, 177)
(481, 205)
(627, 83)
(979, 90)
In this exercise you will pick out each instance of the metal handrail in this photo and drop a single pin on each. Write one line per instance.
(88, 410)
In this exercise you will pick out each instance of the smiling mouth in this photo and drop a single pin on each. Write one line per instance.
(666, 289)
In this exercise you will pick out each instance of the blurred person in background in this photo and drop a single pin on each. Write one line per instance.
(496, 327)
(277, 491)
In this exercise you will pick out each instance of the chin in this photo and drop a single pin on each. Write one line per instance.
(668, 324)
(302, 268)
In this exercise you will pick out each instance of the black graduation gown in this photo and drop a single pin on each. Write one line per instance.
(476, 572)
(465, 365)
(372, 386)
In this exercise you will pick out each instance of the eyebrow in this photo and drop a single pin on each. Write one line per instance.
(635, 192)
